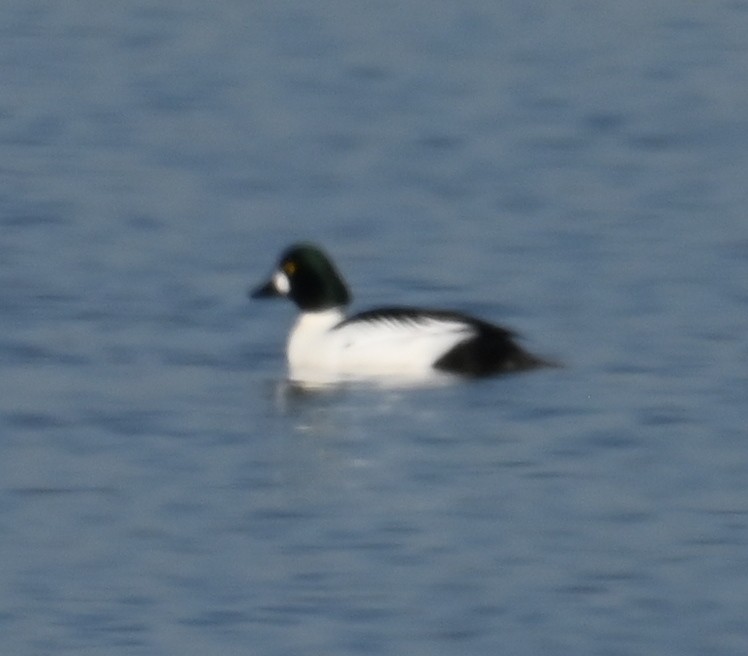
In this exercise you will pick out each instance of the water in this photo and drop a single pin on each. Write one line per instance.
(575, 171)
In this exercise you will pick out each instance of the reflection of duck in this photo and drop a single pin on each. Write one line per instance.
(393, 342)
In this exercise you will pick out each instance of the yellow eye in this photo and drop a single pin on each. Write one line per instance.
(289, 268)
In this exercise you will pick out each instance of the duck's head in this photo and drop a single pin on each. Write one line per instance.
(307, 276)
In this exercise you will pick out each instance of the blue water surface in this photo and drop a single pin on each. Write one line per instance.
(575, 171)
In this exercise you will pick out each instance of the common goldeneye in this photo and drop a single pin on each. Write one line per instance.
(398, 343)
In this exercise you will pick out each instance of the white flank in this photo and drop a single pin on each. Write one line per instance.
(381, 348)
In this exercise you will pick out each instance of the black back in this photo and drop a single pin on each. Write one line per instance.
(490, 350)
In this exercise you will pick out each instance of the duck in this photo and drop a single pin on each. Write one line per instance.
(396, 343)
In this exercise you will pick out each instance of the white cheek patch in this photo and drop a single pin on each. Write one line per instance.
(281, 283)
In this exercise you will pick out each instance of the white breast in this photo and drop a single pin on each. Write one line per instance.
(319, 352)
